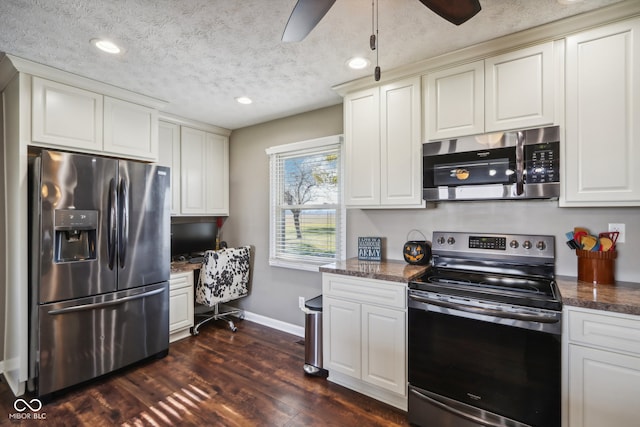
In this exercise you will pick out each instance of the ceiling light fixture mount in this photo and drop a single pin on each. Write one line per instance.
(106, 46)
(358, 63)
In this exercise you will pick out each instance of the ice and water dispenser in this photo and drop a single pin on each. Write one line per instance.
(75, 235)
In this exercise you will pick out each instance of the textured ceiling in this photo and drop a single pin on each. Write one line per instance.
(200, 54)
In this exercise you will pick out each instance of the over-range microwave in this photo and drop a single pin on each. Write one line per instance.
(520, 164)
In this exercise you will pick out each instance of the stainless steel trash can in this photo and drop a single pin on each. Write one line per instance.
(313, 337)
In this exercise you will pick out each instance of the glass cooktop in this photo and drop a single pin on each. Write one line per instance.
(529, 291)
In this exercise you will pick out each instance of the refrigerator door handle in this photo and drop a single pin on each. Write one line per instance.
(112, 226)
(104, 304)
(124, 221)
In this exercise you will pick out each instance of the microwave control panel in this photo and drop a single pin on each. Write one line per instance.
(542, 163)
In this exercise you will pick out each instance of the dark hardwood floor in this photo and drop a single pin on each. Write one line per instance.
(218, 378)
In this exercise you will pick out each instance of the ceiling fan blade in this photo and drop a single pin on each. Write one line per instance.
(305, 16)
(454, 11)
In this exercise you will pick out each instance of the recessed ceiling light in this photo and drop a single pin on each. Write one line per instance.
(358, 63)
(244, 100)
(569, 1)
(105, 46)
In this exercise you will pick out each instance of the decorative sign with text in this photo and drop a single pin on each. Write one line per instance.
(370, 248)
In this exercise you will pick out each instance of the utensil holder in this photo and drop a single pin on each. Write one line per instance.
(596, 267)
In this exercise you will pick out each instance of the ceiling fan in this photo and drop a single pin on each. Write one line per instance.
(307, 13)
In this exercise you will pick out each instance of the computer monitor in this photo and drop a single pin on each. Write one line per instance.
(191, 239)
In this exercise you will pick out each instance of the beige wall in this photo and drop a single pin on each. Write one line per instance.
(275, 291)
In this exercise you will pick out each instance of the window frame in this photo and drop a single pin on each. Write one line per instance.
(286, 150)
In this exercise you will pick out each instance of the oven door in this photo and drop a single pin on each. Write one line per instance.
(472, 370)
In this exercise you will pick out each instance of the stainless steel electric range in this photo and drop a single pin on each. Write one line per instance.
(484, 333)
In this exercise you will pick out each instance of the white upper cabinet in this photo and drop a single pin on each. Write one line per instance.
(519, 89)
(169, 155)
(602, 149)
(130, 129)
(66, 116)
(454, 101)
(204, 173)
(509, 91)
(401, 144)
(217, 174)
(362, 147)
(383, 166)
(193, 166)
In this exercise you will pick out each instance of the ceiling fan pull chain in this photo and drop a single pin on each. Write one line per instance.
(372, 38)
(376, 73)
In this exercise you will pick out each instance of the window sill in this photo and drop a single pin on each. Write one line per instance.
(298, 265)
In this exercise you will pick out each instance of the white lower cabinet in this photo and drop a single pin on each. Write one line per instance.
(602, 369)
(364, 336)
(180, 305)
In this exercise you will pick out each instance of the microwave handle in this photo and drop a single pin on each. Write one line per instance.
(519, 163)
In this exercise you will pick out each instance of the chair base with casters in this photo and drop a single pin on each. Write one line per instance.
(224, 277)
(206, 314)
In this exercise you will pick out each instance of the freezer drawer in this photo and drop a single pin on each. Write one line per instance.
(85, 338)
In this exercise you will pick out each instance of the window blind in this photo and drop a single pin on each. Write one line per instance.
(307, 213)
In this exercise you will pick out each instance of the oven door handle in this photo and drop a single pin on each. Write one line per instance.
(485, 311)
(454, 411)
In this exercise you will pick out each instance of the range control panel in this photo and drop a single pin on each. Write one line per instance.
(528, 245)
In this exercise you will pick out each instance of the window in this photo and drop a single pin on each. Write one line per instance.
(307, 221)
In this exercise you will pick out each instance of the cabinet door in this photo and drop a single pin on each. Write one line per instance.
(455, 101)
(383, 348)
(217, 174)
(603, 388)
(193, 167)
(65, 116)
(400, 144)
(130, 129)
(603, 117)
(519, 89)
(169, 155)
(342, 326)
(362, 147)
(180, 302)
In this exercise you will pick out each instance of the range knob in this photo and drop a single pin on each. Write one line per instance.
(526, 244)
(514, 244)
(541, 245)
(440, 240)
(451, 240)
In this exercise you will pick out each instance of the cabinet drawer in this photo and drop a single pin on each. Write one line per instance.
(380, 292)
(180, 280)
(613, 332)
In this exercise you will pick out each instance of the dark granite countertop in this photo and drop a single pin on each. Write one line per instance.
(184, 267)
(623, 297)
(391, 270)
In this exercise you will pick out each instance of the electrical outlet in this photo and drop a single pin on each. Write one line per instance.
(620, 229)
(301, 302)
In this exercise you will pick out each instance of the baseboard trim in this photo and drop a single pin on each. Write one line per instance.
(275, 324)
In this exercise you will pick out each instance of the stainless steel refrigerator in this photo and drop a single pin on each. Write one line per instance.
(99, 266)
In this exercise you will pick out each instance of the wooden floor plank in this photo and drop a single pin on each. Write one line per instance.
(253, 377)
